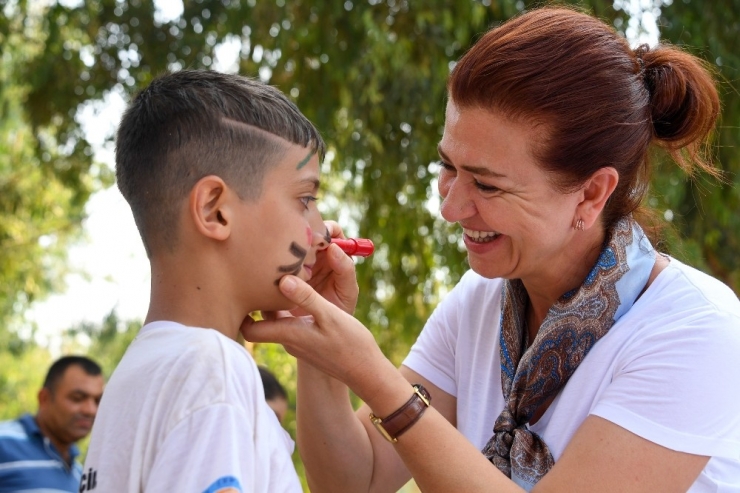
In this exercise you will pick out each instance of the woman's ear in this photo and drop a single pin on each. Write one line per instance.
(210, 208)
(596, 192)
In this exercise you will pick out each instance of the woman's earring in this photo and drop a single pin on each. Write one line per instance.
(579, 225)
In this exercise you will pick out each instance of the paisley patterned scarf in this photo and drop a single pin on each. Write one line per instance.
(572, 326)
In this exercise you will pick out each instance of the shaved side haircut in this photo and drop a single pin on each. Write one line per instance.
(194, 123)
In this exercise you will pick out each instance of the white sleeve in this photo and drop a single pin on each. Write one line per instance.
(675, 385)
(211, 450)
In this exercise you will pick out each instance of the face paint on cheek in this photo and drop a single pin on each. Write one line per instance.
(327, 236)
(295, 268)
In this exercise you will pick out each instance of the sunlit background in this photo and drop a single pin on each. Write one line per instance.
(112, 269)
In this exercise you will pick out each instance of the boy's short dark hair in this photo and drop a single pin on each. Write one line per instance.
(194, 123)
(57, 369)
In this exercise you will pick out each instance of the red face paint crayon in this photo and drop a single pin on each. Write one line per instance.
(359, 247)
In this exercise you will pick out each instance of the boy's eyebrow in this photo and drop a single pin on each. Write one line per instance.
(476, 170)
(312, 181)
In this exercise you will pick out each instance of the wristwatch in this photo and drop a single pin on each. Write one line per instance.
(395, 424)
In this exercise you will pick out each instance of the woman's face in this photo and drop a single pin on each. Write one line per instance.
(516, 224)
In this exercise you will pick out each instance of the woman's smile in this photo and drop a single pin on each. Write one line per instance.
(480, 236)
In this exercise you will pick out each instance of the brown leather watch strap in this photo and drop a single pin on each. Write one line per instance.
(395, 424)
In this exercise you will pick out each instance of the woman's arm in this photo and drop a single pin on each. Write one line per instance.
(605, 457)
(340, 448)
(601, 456)
(345, 443)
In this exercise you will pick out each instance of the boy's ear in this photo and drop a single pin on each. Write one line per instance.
(596, 191)
(210, 209)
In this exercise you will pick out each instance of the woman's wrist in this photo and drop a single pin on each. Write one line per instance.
(385, 391)
(402, 419)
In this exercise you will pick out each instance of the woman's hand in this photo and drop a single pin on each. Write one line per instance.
(334, 276)
(328, 338)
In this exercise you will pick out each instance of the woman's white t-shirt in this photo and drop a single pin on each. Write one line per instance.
(666, 371)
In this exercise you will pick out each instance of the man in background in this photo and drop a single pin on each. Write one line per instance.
(38, 452)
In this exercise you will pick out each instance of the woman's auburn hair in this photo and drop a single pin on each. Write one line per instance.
(598, 102)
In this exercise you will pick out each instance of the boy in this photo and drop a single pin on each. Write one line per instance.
(221, 173)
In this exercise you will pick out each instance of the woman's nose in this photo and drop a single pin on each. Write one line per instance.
(456, 203)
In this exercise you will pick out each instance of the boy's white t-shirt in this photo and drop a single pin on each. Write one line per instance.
(185, 411)
(666, 371)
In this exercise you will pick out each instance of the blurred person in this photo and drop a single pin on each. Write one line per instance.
(38, 453)
(275, 394)
(573, 356)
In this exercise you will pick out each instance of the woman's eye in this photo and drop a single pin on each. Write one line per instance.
(447, 167)
(306, 200)
(486, 188)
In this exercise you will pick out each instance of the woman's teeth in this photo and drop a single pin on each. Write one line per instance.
(480, 236)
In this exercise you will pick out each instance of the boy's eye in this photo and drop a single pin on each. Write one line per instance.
(306, 200)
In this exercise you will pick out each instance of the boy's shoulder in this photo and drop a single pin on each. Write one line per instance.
(172, 373)
(201, 346)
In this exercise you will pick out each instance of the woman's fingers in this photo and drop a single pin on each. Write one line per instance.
(284, 330)
(335, 231)
(302, 295)
(336, 280)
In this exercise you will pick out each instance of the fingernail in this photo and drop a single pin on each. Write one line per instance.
(289, 284)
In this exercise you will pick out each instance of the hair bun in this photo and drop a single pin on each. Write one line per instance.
(640, 52)
(683, 102)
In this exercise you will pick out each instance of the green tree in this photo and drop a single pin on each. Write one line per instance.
(371, 74)
(105, 342)
(21, 378)
(706, 212)
(46, 176)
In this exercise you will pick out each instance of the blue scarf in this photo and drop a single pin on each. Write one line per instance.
(572, 326)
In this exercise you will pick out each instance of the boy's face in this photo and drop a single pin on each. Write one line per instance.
(282, 230)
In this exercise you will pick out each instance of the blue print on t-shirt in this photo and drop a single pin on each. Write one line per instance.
(224, 482)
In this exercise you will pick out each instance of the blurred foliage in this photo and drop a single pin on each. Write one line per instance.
(370, 74)
(707, 215)
(21, 377)
(105, 342)
(46, 177)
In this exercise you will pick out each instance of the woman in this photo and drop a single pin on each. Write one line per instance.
(573, 355)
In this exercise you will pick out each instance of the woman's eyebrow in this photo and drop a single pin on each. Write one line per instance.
(476, 170)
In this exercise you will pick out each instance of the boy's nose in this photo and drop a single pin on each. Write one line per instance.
(321, 238)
